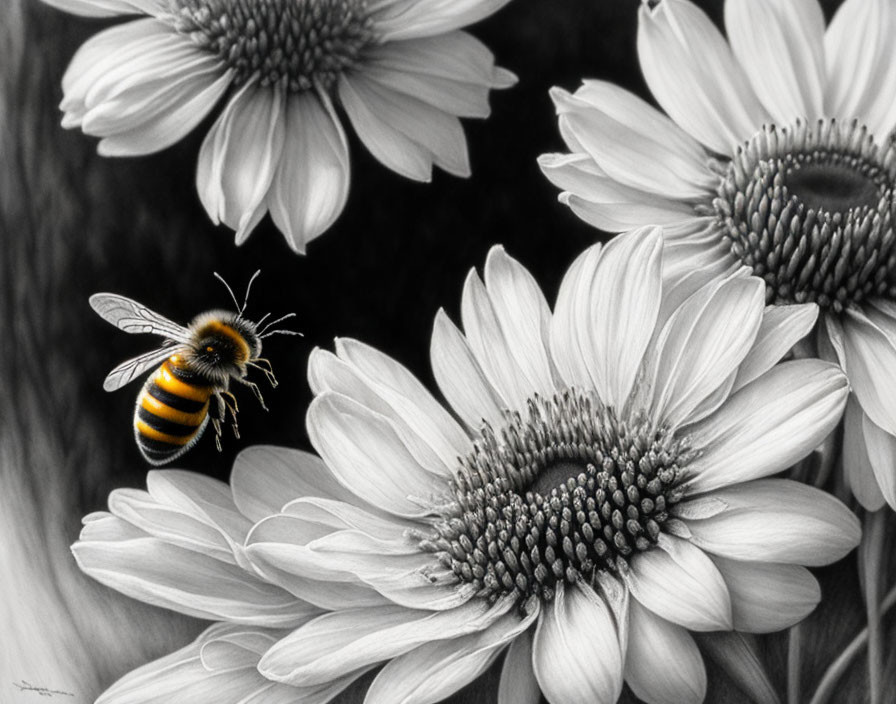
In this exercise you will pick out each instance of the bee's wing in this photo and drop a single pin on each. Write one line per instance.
(133, 317)
(127, 371)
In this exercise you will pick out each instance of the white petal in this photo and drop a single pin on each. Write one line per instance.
(617, 129)
(882, 455)
(239, 157)
(174, 116)
(99, 8)
(192, 583)
(767, 597)
(344, 641)
(569, 325)
(111, 53)
(518, 684)
(408, 399)
(781, 328)
(679, 582)
(310, 187)
(870, 357)
(703, 343)
(782, 54)
(775, 520)
(491, 346)
(407, 19)
(266, 477)
(524, 317)
(387, 121)
(453, 72)
(605, 203)
(323, 539)
(221, 659)
(368, 457)
(623, 304)
(692, 73)
(460, 377)
(857, 470)
(577, 653)
(662, 665)
(861, 77)
(440, 668)
(767, 426)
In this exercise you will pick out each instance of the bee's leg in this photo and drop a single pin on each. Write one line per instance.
(265, 366)
(216, 422)
(256, 391)
(229, 400)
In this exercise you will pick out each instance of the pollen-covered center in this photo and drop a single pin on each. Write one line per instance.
(811, 210)
(296, 43)
(560, 493)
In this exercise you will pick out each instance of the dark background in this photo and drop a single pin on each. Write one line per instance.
(73, 223)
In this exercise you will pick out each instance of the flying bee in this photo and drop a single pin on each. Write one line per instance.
(194, 364)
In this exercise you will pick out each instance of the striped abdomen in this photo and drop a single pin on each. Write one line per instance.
(172, 411)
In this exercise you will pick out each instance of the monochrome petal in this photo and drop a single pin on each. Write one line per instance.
(156, 572)
(691, 71)
(239, 158)
(782, 54)
(767, 426)
(881, 447)
(662, 664)
(679, 582)
(460, 376)
(407, 19)
(403, 132)
(578, 653)
(367, 456)
(618, 129)
(266, 477)
(624, 301)
(861, 78)
(221, 659)
(869, 353)
(310, 186)
(439, 668)
(771, 520)
(352, 639)
(518, 684)
(781, 328)
(858, 472)
(768, 597)
(703, 343)
(605, 203)
(453, 72)
(106, 8)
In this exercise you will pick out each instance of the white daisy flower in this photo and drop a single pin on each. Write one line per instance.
(598, 487)
(402, 71)
(602, 491)
(777, 156)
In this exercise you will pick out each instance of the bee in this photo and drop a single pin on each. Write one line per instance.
(194, 364)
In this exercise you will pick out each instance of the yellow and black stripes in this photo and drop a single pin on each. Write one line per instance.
(172, 411)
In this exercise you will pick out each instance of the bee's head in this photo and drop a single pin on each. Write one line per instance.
(223, 343)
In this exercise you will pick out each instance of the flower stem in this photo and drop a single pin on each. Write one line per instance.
(841, 664)
(872, 558)
(794, 664)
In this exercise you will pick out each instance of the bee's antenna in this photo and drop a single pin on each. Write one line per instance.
(248, 288)
(229, 290)
(278, 320)
(261, 320)
(267, 332)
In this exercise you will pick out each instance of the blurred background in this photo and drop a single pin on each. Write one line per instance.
(73, 223)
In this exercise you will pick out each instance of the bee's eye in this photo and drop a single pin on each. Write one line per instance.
(209, 348)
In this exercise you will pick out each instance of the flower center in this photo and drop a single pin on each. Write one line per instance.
(811, 210)
(560, 494)
(299, 43)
